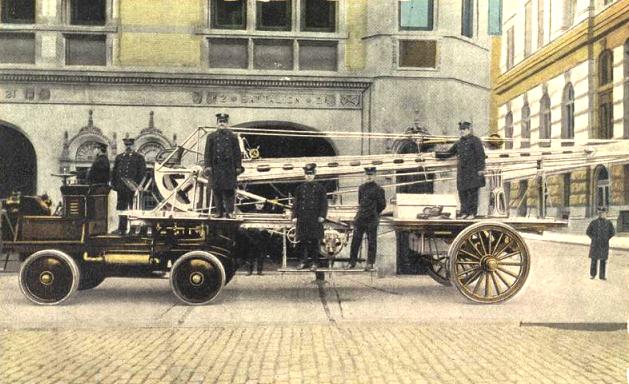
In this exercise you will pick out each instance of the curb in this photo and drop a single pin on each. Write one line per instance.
(569, 241)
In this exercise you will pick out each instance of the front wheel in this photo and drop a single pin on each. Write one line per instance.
(197, 277)
(49, 277)
(489, 262)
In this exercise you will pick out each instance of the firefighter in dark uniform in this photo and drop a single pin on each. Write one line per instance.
(371, 203)
(470, 169)
(600, 231)
(223, 165)
(99, 171)
(128, 165)
(309, 211)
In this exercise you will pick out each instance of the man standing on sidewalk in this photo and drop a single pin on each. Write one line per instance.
(600, 231)
(371, 202)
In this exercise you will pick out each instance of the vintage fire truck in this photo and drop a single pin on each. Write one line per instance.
(485, 258)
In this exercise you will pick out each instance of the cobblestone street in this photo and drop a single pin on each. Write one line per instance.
(360, 353)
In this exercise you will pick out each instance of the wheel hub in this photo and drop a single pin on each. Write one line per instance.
(196, 278)
(46, 278)
(489, 263)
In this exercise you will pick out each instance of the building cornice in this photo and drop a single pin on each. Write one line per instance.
(614, 17)
(186, 80)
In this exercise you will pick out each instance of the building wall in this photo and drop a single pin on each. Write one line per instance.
(570, 54)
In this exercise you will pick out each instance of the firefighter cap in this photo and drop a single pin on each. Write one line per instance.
(309, 169)
(222, 118)
(601, 209)
(370, 170)
(128, 141)
(465, 125)
(102, 146)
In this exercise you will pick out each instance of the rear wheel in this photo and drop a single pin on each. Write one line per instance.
(437, 267)
(49, 277)
(489, 262)
(197, 277)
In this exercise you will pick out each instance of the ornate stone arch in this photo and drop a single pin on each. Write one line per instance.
(151, 141)
(78, 151)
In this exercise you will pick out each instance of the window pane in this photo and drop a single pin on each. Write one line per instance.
(88, 12)
(416, 14)
(528, 29)
(318, 55)
(467, 18)
(418, 53)
(86, 50)
(273, 54)
(228, 53)
(540, 23)
(509, 131)
(274, 15)
(17, 48)
(526, 127)
(318, 15)
(495, 17)
(18, 11)
(229, 14)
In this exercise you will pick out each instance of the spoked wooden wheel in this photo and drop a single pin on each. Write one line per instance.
(49, 277)
(197, 277)
(489, 262)
(438, 268)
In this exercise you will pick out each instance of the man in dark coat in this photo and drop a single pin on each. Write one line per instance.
(131, 166)
(371, 203)
(99, 171)
(309, 211)
(222, 165)
(600, 231)
(470, 169)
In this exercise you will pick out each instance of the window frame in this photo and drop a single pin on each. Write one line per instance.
(605, 95)
(528, 28)
(289, 10)
(509, 130)
(302, 18)
(70, 36)
(3, 7)
(545, 121)
(489, 15)
(213, 21)
(431, 27)
(510, 59)
(467, 23)
(567, 116)
(525, 129)
(69, 7)
(16, 35)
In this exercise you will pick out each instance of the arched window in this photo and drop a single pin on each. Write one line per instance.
(601, 184)
(509, 131)
(605, 95)
(525, 132)
(626, 93)
(544, 121)
(567, 115)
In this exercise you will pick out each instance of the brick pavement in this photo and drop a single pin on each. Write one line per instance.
(345, 353)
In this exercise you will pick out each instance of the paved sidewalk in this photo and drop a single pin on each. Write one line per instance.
(356, 353)
(618, 242)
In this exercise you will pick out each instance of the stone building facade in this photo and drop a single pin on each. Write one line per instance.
(563, 80)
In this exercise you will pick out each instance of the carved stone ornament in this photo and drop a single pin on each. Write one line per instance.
(80, 149)
(151, 141)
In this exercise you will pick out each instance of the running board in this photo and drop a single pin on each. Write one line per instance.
(324, 270)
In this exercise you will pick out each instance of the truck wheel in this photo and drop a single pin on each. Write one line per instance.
(49, 277)
(197, 277)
